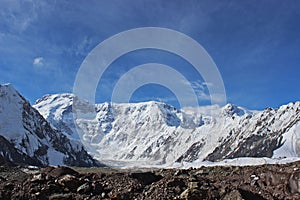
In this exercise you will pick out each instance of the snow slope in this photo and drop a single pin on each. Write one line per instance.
(155, 133)
(60, 116)
(27, 134)
(291, 146)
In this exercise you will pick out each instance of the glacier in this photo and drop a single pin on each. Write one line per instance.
(157, 134)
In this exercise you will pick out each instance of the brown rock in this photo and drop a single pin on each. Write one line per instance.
(294, 183)
(60, 171)
(38, 178)
(193, 185)
(69, 181)
(234, 194)
(97, 188)
(61, 197)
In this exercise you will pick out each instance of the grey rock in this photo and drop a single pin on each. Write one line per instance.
(61, 197)
(84, 188)
(294, 183)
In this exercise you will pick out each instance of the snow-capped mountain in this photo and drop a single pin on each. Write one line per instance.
(154, 133)
(27, 138)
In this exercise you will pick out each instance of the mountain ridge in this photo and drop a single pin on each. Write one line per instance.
(155, 133)
(140, 134)
(26, 133)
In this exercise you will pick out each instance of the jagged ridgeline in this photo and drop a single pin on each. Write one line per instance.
(27, 138)
(147, 133)
(155, 133)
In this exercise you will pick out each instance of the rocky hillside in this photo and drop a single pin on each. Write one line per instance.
(154, 133)
(27, 138)
(210, 183)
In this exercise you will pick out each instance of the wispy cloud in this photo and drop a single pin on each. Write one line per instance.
(83, 47)
(13, 15)
(42, 40)
(199, 88)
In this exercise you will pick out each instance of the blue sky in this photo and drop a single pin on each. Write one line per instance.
(255, 45)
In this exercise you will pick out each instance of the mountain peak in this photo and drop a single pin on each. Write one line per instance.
(28, 134)
(49, 98)
(8, 90)
(7, 85)
(231, 109)
(157, 133)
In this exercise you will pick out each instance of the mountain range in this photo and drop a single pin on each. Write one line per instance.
(140, 134)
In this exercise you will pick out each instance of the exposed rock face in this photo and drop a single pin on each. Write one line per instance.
(9, 155)
(27, 138)
(260, 135)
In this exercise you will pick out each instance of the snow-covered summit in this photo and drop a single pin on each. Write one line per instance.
(231, 110)
(146, 133)
(11, 108)
(30, 139)
(156, 133)
(57, 109)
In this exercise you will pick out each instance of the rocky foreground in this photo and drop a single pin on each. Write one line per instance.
(250, 182)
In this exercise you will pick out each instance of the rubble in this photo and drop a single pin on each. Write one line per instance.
(219, 182)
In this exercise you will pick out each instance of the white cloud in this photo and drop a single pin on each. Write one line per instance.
(39, 61)
(82, 47)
